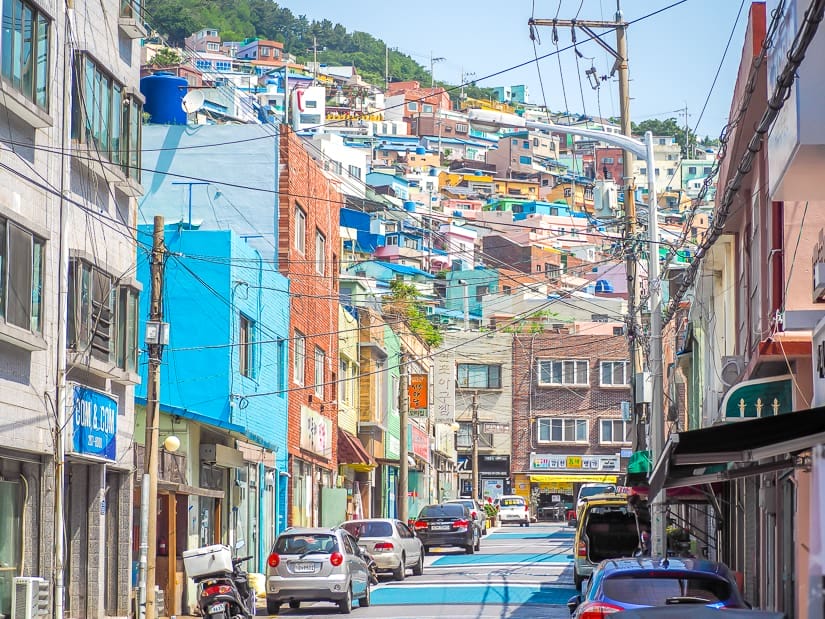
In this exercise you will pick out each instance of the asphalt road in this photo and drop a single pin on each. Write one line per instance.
(520, 573)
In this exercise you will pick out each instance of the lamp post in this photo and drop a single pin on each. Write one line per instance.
(490, 121)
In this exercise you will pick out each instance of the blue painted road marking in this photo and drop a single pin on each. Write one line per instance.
(496, 559)
(514, 535)
(463, 594)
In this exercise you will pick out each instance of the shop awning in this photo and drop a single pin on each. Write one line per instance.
(735, 450)
(351, 452)
(572, 479)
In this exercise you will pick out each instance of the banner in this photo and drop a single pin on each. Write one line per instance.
(94, 423)
(419, 395)
(444, 386)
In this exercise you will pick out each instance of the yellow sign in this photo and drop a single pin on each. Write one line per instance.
(574, 462)
(572, 479)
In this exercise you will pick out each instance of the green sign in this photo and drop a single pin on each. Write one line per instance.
(763, 397)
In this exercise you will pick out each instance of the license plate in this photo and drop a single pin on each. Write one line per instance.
(304, 568)
(216, 608)
(440, 527)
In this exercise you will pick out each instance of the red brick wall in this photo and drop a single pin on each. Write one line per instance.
(593, 402)
(314, 297)
(616, 169)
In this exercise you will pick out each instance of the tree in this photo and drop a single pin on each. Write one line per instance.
(166, 57)
(668, 127)
(404, 301)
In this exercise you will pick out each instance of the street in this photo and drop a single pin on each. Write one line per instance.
(519, 573)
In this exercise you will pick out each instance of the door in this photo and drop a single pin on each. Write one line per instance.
(357, 566)
(412, 547)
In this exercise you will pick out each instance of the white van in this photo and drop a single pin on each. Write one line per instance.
(513, 508)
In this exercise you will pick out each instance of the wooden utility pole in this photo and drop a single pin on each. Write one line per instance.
(620, 68)
(403, 465)
(150, 455)
(476, 493)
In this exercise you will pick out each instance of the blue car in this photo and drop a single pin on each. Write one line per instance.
(639, 582)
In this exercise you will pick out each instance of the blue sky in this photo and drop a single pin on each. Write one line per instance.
(673, 56)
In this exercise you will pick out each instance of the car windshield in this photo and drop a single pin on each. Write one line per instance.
(442, 511)
(593, 490)
(368, 529)
(512, 502)
(656, 589)
(301, 544)
(467, 503)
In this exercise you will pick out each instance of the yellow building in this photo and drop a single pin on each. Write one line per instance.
(565, 190)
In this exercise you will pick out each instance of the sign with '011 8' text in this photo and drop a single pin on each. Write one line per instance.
(94, 423)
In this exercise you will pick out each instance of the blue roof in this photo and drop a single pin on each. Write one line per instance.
(403, 269)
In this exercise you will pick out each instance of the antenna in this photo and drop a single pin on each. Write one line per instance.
(192, 101)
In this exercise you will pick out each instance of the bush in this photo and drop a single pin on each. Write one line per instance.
(490, 510)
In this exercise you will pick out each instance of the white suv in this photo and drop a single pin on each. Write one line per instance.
(513, 508)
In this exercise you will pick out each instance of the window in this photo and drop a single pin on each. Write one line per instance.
(642, 170)
(25, 51)
(692, 169)
(613, 373)
(588, 193)
(427, 108)
(264, 52)
(461, 128)
(412, 106)
(706, 170)
(223, 65)
(410, 243)
(464, 437)
(535, 142)
(525, 144)
(563, 372)
(21, 277)
(479, 376)
(320, 253)
(670, 171)
(613, 431)
(568, 192)
(392, 240)
(319, 372)
(507, 289)
(607, 160)
(102, 317)
(299, 364)
(481, 291)
(354, 171)
(213, 47)
(657, 171)
(343, 383)
(245, 346)
(203, 65)
(280, 369)
(662, 142)
(562, 430)
(300, 230)
(104, 117)
(525, 160)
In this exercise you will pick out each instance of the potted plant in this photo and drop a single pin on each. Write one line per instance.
(491, 512)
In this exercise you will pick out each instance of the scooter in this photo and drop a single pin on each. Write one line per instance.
(227, 597)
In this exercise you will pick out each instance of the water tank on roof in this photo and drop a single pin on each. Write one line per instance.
(420, 150)
(164, 94)
(409, 206)
(478, 173)
(602, 285)
(433, 172)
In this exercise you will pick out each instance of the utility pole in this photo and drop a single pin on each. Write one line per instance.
(620, 68)
(149, 506)
(476, 493)
(432, 68)
(386, 67)
(403, 465)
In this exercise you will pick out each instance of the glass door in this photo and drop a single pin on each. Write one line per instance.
(10, 540)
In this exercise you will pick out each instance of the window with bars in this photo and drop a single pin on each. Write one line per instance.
(562, 430)
(563, 372)
(613, 373)
(479, 376)
(613, 431)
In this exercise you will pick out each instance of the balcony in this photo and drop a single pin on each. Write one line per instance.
(130, 19)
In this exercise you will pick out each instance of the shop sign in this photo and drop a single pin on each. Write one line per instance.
(493, 465)
(445, 440)
(419, 395)
(316, 432)
(554, 462)
(762, 397)
(494, 427)
(94, 423)
(444, 386)
(418, 442)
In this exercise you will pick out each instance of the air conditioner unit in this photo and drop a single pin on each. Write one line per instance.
(29, 598)
(732, 369)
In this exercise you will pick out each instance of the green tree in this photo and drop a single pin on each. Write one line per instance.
(404, 301)
(668, 127)
(166, 57)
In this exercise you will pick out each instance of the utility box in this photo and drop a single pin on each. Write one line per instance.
(644, 387)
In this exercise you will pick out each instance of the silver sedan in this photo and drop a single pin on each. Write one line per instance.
(391, 543)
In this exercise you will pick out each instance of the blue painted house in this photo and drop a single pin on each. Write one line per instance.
(222, 391)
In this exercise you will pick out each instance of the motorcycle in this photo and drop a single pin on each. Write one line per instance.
(227, 596)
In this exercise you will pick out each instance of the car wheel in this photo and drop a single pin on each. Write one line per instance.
(527, 523)
(400, 573)
(418, 568)
(469, 549)
(365, 601)
(293, 604)
(577, 581)
(478, 543)
(345, 605)
(273, 607)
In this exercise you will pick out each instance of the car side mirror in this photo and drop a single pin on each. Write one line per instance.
(573, 603)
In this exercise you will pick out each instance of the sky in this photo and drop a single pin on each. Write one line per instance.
(673, 55)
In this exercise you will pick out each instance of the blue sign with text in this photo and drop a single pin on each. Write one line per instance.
(94, 423)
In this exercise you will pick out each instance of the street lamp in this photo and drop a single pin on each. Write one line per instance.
(492, 122)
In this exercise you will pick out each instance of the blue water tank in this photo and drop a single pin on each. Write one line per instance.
(602, 285)
(478, 173)
(164, 94)
(433, 172)
(420, 150)
(409, 206)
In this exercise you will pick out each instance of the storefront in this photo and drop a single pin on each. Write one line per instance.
(308, 475)
(559, 476)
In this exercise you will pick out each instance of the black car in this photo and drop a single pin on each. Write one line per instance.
(447, 524)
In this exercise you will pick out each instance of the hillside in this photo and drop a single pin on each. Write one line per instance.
(236, 20)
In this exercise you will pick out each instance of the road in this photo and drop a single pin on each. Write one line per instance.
(520, 573)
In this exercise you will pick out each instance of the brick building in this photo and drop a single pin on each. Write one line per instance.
(308, 242)
(567, 414)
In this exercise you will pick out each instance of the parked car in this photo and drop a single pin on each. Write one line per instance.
(476, 511)
(391, 543)
(591, 489)
(629, 583)
(316, 564)
(606, 528)
(447, 524)
(704, 612)
(513, 508)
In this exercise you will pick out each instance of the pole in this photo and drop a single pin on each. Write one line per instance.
(386, 67)
(476, 493)
(150, 457)
(656, 415)
(466, 305)
(286, 93)
(403, 465)
(144, 547)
